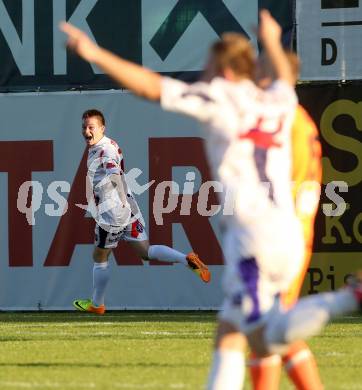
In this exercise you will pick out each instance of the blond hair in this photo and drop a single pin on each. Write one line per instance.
(234, 51)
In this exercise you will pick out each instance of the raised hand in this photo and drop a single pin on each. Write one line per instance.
(269, 29)
(79, 42)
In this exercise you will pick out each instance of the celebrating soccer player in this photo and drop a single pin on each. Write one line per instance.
(117, 214)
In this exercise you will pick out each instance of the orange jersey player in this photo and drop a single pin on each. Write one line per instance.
(307, 177)
(298, 361)
(306, 170)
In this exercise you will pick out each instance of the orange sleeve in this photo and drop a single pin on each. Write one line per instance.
(307, 177)
(306, 170)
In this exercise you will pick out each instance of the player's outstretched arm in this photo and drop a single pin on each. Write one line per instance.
(136, 78)
(270, 36)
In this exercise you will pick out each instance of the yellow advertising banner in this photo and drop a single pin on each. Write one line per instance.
(337, 111)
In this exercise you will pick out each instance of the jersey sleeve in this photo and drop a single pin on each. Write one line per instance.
(283, 91)
(197, 100)
(111, 160)
(306, 149)
(281, 96)
(306, 170)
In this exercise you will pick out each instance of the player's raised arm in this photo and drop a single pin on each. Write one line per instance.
(136, 78)
(270, 34)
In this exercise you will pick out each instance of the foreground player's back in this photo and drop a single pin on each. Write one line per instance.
(248, 135)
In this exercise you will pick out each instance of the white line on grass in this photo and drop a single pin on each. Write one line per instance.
(67, 325)
(151, 386)
(38, 333)
(350, 386)
(40, 385)
(90, 385)
(168, 333)
(334, 353)
(151, 316)
(114, 333)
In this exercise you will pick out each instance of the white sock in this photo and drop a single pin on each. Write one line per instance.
(166, 254)
(101, 276)
(227, 370)
(308, 317)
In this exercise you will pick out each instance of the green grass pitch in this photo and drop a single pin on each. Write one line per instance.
(143, 350)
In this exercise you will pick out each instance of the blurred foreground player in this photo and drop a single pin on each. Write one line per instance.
(117, 216)
(298, 361)
(248, 145)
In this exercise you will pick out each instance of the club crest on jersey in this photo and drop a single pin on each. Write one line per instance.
(139, 227)
(262, 139)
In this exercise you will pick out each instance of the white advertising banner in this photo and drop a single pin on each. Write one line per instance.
(329, 38)
(47, 239)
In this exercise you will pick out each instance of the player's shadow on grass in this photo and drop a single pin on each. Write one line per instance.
(106, 366)
(354, 319)
(111, 316)
(202, 317)
(76, 338)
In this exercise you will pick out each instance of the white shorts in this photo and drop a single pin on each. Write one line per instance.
(239, 314)
(259, 267)
(135, 231)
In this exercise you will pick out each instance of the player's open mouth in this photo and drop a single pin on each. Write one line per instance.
(89, 138)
